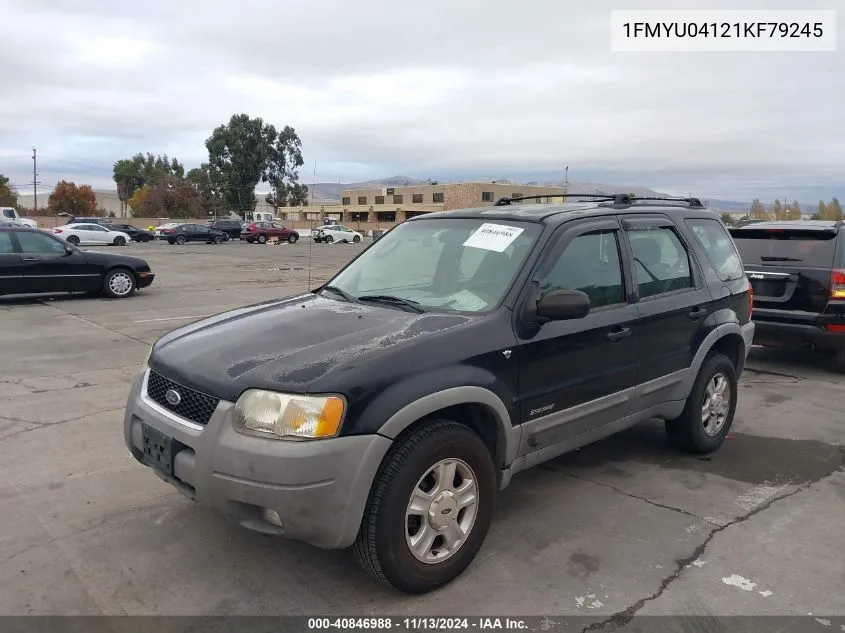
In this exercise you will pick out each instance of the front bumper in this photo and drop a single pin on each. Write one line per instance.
(145, 279)
(318, 488)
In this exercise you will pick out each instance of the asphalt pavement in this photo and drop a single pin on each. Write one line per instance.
(623, 527)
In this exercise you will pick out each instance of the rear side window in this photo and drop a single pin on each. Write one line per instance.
(721, 252)
(792, 247)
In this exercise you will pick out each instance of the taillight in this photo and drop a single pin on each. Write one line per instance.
(57, 231)
(251, 227)
(837, 284)
(750, 301)
(167, 230)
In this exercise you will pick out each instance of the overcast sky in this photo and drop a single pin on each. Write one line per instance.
(441, 89)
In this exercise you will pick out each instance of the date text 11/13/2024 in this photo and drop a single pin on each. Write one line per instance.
(417, 623)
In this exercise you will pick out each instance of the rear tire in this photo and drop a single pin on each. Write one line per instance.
(840, 359)
(448, 526)
(249, 241)
(180, 240)
(72, 239)
(709, 410)
(119, 283)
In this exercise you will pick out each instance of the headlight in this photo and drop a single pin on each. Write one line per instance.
(282, 416)
(147, 358)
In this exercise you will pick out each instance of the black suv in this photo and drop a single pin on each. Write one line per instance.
(194, 233)
(797, 271)
(232, 228)
(385, 409)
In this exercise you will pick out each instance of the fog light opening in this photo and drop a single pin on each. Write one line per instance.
(271, 516)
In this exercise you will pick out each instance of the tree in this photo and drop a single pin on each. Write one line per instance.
(778, 212)
(758, 210)
(793, 211)
(727, 218)
(835, 209)
(242, 151)
(69, 198)
(206, 180)
(283, 171)
(171, 197)
(130, 174)
(822, 211)
(8, 197)
(137, 200)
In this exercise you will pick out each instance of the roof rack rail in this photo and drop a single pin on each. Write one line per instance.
(618, 200)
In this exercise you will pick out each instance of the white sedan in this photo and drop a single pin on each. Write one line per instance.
(335, 233)
(77, 234)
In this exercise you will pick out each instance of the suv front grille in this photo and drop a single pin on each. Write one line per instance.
(193, 405)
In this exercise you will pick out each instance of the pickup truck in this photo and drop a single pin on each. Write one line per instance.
(10, 214)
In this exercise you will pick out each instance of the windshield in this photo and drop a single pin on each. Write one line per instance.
(442, 264)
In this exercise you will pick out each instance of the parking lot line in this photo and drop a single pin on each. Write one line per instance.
(199, 316)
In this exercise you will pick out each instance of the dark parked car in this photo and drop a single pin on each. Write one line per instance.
(135, 234)
(232, 228)
(194, 233)
(33, 262)
(387, 408)
(797, 270)
(262, 231)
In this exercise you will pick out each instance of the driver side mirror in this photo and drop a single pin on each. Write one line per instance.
(561, 305)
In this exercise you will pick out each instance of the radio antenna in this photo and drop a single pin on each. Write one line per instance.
(311, 240)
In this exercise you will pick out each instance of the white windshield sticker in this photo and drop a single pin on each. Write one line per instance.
(465, 301)
(493, 237)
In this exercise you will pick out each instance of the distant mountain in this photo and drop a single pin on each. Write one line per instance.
(331, 190)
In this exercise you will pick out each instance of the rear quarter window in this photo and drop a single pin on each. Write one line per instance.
(792, 247)
(720, 248)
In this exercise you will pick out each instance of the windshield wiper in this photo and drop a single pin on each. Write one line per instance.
(413, 305)
(345, 295)
(768, 258)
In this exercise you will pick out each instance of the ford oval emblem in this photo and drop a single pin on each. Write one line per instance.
(173, 398)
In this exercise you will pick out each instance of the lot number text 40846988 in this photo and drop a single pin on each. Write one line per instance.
(418, 623)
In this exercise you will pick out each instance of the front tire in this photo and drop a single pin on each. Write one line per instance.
(119, 241)
(356, 239)
(429, 510)
(119, 283)
(262, 239)
(840, 359)
(218, 239)
(292, 238)
(328, 239)
(709, 410)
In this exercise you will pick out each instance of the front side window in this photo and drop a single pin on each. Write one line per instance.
(459, 265)
(590, 263)
(6, 242)
(8, 213)
(40, 243)
(661, 262)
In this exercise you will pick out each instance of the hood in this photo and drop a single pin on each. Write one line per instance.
(295, 345)
(99, 257)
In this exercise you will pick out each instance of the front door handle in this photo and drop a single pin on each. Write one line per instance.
(618, 333)
(696, 313)
(30, 259)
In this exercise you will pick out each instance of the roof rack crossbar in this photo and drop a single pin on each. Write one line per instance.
(619, 199)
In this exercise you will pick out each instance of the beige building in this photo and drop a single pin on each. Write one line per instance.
(395, 204)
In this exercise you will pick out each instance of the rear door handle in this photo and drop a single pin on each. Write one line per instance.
(618, 333)
(30, 259)
(696, 313)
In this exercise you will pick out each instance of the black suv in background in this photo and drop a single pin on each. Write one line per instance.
(385, 409)
(231, 228)
(797, 271)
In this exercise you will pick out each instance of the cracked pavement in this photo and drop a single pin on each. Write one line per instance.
(621, 528)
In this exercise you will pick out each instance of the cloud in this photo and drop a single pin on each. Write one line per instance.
(375, 88)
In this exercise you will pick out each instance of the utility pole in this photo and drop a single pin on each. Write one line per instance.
(34, 181)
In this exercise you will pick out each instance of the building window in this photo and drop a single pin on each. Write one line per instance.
(386, 216)
(397, 199)
(362, 200)
(379, 199)
(487, 196)
(438, 197)
(417, 198)
(539, 201)
(346, 200)
(516, 195)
